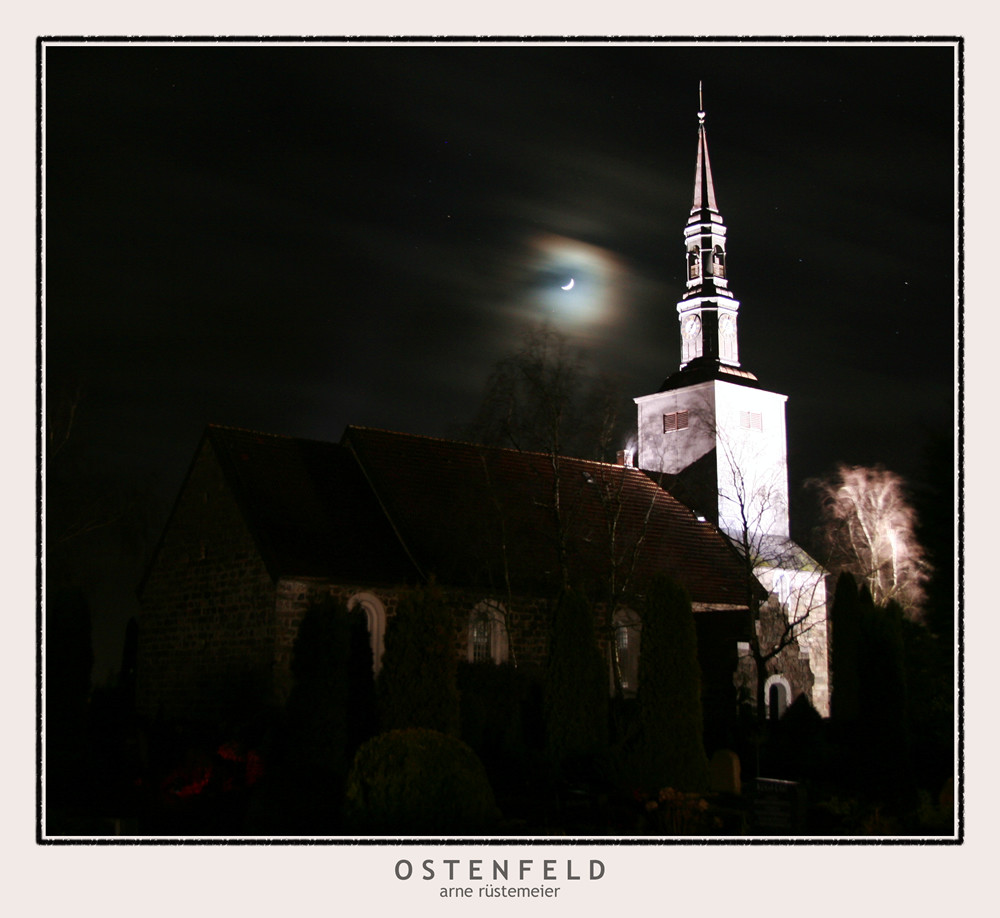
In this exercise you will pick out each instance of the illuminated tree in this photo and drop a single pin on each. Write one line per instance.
(869, 528)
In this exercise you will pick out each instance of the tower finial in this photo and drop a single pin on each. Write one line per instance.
(701, 106)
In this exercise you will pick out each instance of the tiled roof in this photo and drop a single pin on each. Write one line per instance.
(472, 515)
(704, 369)
(309, 508)
(390, 508)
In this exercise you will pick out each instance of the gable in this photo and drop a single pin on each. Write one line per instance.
(306, 505)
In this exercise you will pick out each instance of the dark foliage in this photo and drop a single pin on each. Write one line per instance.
(935, 502)
(576, 689)
(668, 750)
(362, 717)
(845, 637)
(304, 790)
(797, 747)
(930, 704)
(883, 730)
(496, 703)
(417, 684)
(870, 704)
(68, 662)
(418, 782)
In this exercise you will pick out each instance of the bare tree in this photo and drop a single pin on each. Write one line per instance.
(743, 488)
(869, 529)
(790, 612)
(541, 399)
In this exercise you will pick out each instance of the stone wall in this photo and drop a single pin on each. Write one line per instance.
(216, 633)
(206, 629)
(792, 662)
(527, 618)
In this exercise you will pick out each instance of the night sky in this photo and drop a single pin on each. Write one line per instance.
(293, 239)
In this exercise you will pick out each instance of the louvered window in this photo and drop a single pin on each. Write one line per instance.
(751, 420)
(719, 262)
(676, 420)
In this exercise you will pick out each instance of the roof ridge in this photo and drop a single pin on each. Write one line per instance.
(229, 428)
(233, 428)
(469, 443)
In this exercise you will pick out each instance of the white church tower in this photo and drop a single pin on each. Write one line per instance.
(718, 438)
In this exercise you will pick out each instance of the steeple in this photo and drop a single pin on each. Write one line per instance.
(704, 189)
(719, 436)
(707, 311)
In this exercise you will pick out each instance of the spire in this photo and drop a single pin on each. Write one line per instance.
(704, 189)
(707, 311)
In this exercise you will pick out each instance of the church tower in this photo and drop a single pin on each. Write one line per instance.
(710, 422)
(707, 312)
(716, 439)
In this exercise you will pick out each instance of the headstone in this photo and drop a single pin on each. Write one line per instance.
(724, 772)
(779, 807)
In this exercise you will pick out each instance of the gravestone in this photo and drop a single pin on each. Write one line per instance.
(779, 807)
(724, 772)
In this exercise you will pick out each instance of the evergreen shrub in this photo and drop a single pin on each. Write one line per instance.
(491, 711)
(419, 782)
(417, 685)
(668, 750)
(576, 689)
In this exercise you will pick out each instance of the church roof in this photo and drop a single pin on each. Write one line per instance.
(384, 507)
(308, 507)
(703, 369)
(468, 512)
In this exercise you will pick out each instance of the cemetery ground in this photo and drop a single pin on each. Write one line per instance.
(801, 776)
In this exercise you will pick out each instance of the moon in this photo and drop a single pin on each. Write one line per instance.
(569, 286)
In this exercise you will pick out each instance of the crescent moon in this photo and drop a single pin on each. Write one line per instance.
(569, 286)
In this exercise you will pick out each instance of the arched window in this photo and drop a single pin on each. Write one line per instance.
(694, 264)
(777, 694)
(375, 615)
(625, 651)
(719, 262)
(488, 633)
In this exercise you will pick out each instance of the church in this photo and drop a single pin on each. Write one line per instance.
(266, 525)
(721, 438)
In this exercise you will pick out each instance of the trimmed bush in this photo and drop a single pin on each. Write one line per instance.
(419, 782)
